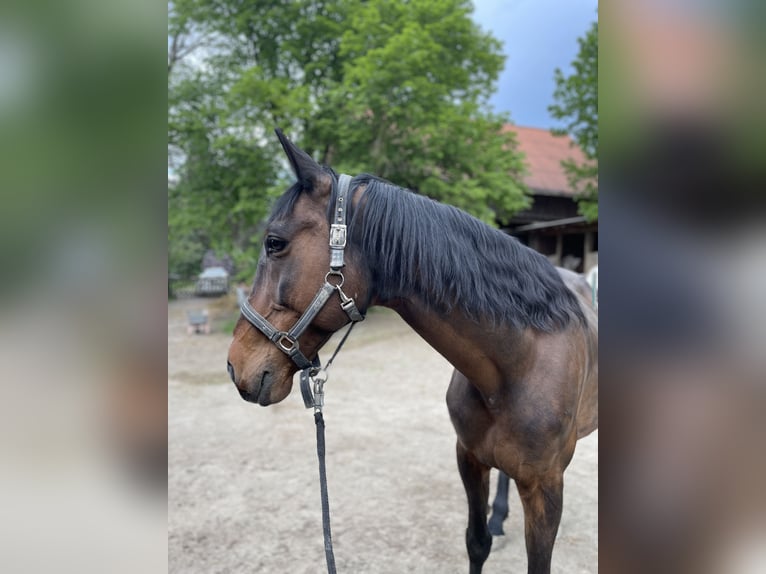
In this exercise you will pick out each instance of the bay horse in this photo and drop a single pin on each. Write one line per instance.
(523, 345)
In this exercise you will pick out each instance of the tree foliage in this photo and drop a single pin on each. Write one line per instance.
(398, 89)
(576, 97)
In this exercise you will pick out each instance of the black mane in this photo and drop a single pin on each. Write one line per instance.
(415, 246)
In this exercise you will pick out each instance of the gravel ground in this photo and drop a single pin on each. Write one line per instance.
(243, 480)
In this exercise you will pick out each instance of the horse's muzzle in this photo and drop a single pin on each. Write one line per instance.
(257, 390)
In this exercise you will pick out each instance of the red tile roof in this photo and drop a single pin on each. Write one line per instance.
(544, 153)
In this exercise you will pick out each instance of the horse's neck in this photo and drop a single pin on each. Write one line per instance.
(477, 350)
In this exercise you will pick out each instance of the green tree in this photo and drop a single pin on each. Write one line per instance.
(224, 179)
(398, 89)
(576, 97)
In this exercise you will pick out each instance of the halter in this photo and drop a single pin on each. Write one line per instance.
(287, 341)
(311, 371)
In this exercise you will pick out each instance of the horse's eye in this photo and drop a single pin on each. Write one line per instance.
(274, 245)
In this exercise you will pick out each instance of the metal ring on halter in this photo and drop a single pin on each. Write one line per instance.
(289, 339)
(338, 274)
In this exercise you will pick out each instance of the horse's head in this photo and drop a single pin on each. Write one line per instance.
(293, 267)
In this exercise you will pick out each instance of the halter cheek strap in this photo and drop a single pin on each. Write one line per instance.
(287, 342)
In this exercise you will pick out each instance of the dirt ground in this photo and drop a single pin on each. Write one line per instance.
(243, 481)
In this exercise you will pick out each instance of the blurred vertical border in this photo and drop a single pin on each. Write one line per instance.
(83, 403)
(683, 258)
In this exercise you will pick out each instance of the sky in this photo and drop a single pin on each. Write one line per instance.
(538, 36)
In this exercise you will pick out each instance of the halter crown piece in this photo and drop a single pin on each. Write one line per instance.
(287, 342)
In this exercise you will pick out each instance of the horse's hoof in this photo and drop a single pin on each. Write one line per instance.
(495, 529)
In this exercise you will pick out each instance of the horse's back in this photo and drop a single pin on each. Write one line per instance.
(578, 284)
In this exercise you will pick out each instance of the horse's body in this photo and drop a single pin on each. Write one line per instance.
(527, 427)
(580, 286)
(523, 346)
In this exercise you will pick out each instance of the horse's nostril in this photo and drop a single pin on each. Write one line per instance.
(231, 371)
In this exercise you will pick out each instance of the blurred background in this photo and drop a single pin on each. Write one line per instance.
(94, 228)
(82, 257)
(682, 376)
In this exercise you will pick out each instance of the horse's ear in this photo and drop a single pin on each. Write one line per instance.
(309, 173)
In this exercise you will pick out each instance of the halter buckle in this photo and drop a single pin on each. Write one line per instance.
(280, 342)
(337, 236)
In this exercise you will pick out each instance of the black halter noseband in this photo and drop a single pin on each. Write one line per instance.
(287, 341)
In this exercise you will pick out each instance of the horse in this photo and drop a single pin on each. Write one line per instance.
(523, 344)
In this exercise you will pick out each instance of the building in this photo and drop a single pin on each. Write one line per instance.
(551, 225)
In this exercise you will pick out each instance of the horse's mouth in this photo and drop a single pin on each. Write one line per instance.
(262, 391)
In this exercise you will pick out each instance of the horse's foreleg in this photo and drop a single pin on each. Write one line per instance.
(475, 477)
(542, 498)
(500, 506)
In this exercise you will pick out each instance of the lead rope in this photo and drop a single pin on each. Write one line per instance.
(316, 400)
(329, 556)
